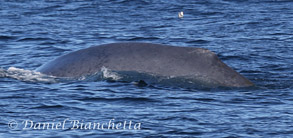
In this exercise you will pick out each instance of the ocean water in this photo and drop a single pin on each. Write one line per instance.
(254, 37)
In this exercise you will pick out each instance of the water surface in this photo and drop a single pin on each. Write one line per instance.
(253, 37)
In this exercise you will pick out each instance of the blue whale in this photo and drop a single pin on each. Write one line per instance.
(194, 64)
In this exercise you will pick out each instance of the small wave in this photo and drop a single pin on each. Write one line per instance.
(48, 107)
(199, 41)
(143, 2)
(142, 38)
(232, 57)
(34, 39)
(4, 37)
(26, 75)
(125, 99)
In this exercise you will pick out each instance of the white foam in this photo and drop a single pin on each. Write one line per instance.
(108, 74)
(28, 75)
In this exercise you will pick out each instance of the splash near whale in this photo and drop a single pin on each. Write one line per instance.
(153, 63)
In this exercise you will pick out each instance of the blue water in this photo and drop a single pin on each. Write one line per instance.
(254, 37)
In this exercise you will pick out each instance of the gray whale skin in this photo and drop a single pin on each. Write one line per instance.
(197, 64)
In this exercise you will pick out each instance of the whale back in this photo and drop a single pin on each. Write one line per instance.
(160, 60)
